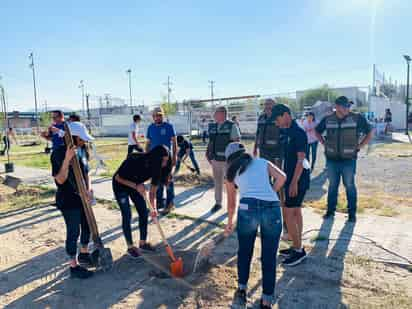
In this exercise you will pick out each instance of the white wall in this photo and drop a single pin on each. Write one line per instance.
(378, 105)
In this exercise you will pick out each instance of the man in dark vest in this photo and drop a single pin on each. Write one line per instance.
(268, 139)
(221, 133)
(346, 134)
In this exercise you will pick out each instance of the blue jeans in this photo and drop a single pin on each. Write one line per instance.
(252, 214)
(192, 158)
(76, 221)
(122, 197)
(170, 194)
(347, 170)
(313, 147)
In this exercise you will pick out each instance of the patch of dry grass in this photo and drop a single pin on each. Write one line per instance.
(394, 150)
(25, 196)
(379, 203)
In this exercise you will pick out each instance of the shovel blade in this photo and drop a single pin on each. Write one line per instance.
(102, 258)
(176, 268)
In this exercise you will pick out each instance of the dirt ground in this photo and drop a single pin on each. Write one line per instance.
(34, 273)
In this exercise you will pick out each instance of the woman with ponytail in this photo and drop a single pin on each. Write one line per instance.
(258, 207)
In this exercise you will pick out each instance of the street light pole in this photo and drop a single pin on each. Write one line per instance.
(31, 57)
(81, 86)
(129, 72)
(408, 60)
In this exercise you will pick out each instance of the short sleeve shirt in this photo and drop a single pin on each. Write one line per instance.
(67, 195)
(133, 128)
(57, 141)
(235, 133)
(160, 134)
(296, 141)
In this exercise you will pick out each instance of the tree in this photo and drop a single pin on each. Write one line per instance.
(168, 108)
(292, 103)
(45, 119)
(324, 93)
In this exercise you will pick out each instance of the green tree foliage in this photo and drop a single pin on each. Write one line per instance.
(168, 108)
(45, 119)
(324, 93)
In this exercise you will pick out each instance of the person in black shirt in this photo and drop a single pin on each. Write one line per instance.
(68, 199)
(128, 182)
(185, 150)
(297, 183)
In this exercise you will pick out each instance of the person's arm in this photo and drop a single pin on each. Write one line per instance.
(174, 147)
(293, 188)
(367, 130)
(127, 183)
(148, 139)
(255, 147)
(63, 173)
(134, 137)
(231, 206)
(278, 175)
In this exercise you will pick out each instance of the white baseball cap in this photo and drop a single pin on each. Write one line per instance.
(79, 129)
(234, 148)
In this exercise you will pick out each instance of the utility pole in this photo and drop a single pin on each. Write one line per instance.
(408, 60)
(88, 114)
(31, 57)
(169, 89)
(212, 86)
(129, 72)
(81, 86)
(45, 106)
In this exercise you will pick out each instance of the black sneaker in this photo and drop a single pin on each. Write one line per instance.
(286, 252)
(295, 258)
(328, 215)
(134, 253)
(262, 306)
(147, 247)
(168, 209)
(84, 260)
(240, 297)
(80, 272)
(352, 218)
(216, 208)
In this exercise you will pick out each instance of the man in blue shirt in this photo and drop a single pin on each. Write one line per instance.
(297, 183)
(53, 131)
(163, 133)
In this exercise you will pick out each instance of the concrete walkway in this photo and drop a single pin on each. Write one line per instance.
(401, 137)
(363, 238)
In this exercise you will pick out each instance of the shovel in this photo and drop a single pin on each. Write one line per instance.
(101, 256)
(176, 266)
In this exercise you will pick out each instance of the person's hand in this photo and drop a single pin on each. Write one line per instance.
(228, 229)
(255, 152)
(70, 153)
(293, 189)
(141, 189)
(173, 161)
(154, 214)
(90, 195)
(44, 134)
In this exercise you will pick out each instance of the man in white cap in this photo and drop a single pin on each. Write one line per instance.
(68, 199)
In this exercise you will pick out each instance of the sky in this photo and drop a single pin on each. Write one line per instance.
(246, 47)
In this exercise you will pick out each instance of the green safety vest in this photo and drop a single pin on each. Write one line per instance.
(269, 138)
(341, 137)
(219, 139)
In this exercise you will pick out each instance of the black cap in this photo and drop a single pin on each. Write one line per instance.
(343, 101)
(279, 110)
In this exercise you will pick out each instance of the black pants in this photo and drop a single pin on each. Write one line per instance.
(122, 197)
(6, 142)
(130, 149)
(76, 224)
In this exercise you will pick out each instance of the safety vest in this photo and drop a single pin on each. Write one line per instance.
(269, 138)
(341, 137)
(219, 139)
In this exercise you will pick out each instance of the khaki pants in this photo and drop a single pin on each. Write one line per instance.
(219, 172)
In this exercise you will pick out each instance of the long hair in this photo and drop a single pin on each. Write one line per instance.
(155, 156)
(238, 165)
